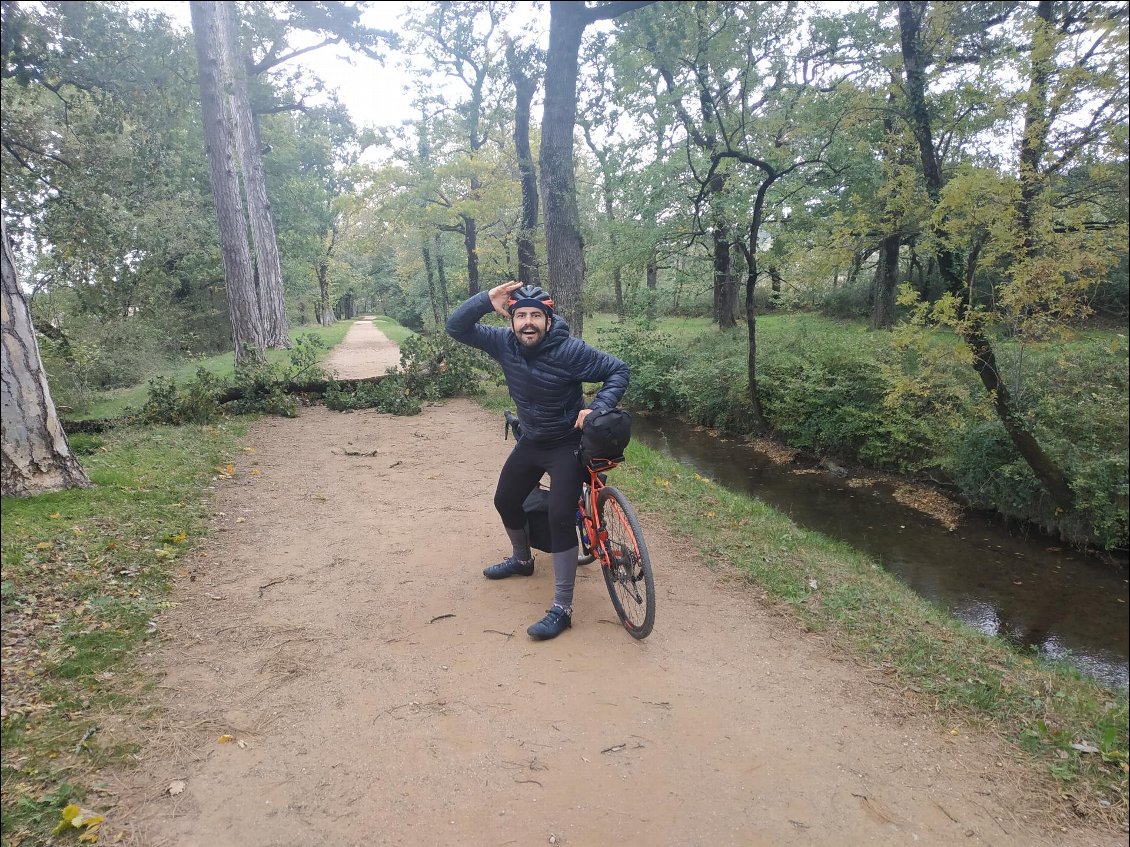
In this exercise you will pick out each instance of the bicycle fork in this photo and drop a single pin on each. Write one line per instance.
(620, 563)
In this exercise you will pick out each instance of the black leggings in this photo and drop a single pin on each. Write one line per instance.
(522, 471)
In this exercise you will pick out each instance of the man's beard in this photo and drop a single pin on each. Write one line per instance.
(529, 335)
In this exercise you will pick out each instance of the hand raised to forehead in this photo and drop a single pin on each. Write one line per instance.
(500, 295)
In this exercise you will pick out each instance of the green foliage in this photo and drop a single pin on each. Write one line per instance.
(86, 570)
(391, 395)
(1074, 399)
(909, 407)
(196, 403)
(430, 369)
(438, 366)
(261, 385)
(655, 360)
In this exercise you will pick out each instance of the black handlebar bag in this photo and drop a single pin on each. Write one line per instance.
(605, 435)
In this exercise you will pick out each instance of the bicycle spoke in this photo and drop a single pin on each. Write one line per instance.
(628, 567)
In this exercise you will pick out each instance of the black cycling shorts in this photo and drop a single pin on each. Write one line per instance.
(523, 470)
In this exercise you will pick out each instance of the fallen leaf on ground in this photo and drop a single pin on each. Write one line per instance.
(176, 787)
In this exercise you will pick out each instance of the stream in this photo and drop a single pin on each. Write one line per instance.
(1031, 590)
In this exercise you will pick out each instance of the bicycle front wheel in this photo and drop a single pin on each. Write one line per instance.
(627, 571)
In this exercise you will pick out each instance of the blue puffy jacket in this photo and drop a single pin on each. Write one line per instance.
(545, 380)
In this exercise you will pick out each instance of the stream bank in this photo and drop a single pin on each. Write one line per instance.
(1027, 589)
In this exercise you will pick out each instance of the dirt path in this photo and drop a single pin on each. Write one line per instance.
(365, 351)
(379, 691)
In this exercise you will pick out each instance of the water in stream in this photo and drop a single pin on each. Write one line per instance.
(1030, 590)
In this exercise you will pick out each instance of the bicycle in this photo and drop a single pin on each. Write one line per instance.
(608, 530)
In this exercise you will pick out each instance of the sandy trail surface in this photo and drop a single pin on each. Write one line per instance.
(377, 690)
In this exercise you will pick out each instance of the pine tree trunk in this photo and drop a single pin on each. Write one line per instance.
(243, 303)
(34, 453)
(272, 306)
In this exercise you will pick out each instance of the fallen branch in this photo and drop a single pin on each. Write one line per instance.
(317, 387)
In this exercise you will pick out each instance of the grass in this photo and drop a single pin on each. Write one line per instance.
(113, 404)
(943, 667)
(392, 329)
(83, 573)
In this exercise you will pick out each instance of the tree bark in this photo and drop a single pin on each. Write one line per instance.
(564, 246)
(525, 87)
(441, 277)
(243, 304)
(326, 316)
(750, 253)
(775, 281)
(35, 455)
(725, 292)
(886, 283)
(430, 272)
(272, 306)
(471, 246)
(914, 64)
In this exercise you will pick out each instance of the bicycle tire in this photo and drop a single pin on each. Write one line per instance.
(629, 578)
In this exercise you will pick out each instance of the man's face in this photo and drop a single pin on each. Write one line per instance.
(530, 324)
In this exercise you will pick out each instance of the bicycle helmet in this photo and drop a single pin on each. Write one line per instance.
(530, 295)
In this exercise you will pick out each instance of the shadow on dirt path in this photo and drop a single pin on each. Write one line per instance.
(378, 691)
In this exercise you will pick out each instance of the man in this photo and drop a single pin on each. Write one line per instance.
(544, 368)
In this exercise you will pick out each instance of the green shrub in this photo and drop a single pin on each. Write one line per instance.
(655, 360)
(197, 403)
(437, 367)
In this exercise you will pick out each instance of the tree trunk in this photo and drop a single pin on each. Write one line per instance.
(1033, 143)
(471, 245)
(564, 246)
(751, 327)
(886, 283)
(776, 281)
(725, 293)
(272, 307)
(1050, 475)
(430, 272)
(326, 316)
(886, 272)
(243, 304)
(910, 31)
(610, 219)
(34, 453)
(525, 88)
(441, 276)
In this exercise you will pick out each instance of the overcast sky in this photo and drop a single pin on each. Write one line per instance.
(372, 93)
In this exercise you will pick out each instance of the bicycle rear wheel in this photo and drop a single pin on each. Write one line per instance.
(627, 574)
